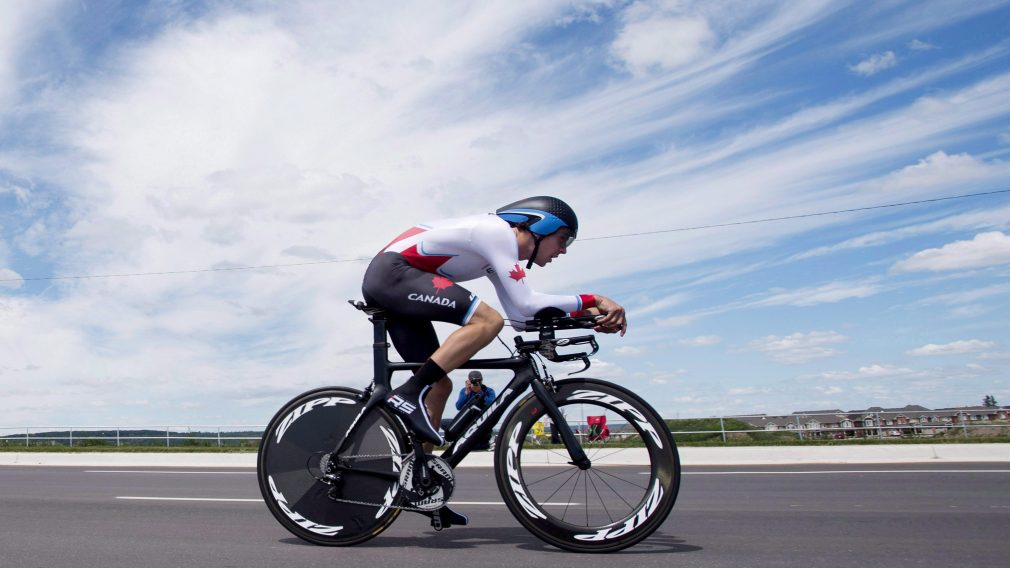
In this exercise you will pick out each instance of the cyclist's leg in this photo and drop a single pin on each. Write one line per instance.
(484, 325)
(415, 340)
(425, 392)
(479, 330)
(415, 298)
(435, 403)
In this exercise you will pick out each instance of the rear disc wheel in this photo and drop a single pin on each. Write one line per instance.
(294, 459)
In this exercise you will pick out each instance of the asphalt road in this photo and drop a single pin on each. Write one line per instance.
(809, 516)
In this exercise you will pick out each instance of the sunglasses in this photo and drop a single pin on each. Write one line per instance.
(568, 238)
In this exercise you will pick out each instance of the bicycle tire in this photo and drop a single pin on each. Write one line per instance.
(604, 522)
(289, 467)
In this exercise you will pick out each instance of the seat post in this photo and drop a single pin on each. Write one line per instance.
(380, 350)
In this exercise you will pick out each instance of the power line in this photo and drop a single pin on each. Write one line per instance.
(803, 216)
(619, 236)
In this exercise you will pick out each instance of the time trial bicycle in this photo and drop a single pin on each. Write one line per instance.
(336, 467)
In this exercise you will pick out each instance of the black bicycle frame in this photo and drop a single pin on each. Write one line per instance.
(525, 376)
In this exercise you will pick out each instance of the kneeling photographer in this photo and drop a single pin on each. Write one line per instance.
(475, 393)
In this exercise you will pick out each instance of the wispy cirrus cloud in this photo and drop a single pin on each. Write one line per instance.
(959, 347)
(824, 294)
(996, 217)
(20, 24)
(254, 135)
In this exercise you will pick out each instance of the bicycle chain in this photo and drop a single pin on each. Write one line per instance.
(367, 504)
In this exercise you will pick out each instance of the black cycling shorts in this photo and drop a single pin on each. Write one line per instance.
(413, 299)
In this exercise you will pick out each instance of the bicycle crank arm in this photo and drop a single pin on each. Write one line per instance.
(575, 451)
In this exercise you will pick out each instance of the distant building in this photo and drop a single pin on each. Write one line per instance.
(878, 422)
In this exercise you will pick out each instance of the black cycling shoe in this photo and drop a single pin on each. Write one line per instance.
(407, 401)
(444, 517)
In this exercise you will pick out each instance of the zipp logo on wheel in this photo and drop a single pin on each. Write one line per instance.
(402, 405)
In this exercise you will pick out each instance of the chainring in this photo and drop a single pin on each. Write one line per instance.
(439, 490)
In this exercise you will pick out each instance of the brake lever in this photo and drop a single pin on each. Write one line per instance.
(585, 361)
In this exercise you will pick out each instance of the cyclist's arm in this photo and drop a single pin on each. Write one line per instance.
(614, 320)
(508, 276)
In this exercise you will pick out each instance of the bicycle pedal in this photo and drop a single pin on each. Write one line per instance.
(436, 522)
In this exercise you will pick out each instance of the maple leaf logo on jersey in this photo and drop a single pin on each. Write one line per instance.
(518, 274)
(441, 283)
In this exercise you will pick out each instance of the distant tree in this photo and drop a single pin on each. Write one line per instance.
(990, 401)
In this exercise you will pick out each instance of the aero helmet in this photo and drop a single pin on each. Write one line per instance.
(541, 216)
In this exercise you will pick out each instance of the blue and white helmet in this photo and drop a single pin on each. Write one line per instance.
(541, 215)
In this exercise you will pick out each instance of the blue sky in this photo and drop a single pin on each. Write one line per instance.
(174, 137)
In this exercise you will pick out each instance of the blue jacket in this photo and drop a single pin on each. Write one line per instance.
(465, 395)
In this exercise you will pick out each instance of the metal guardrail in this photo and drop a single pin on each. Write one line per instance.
(874, 425)
(169, 436)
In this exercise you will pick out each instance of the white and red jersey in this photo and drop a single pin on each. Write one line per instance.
(467, 248)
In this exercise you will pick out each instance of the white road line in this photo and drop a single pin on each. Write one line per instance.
(222, 500)
(191, 499)
(817, 472)
(837, 471)
(169, 472)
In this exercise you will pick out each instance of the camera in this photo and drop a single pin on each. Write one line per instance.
(477, 381)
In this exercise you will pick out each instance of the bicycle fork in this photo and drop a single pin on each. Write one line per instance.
(575, 451)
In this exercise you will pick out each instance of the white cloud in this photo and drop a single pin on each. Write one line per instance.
(798, 348)
(953, 348)
(741, 391)
(970, 311)
(665, 377)
(986, 219)
(664, 304)
(986, 249)
(919, 45)
(995, 356)
(876, 371)
(20, 192)
(653, 41)
(629, 351)
(10, 279)
(701, 341)
(19, 24)
(969, 296)
(938, 170)
(318, 131)
(875, 64)
(825, 294)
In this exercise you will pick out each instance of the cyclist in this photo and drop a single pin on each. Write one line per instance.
(415, 279)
